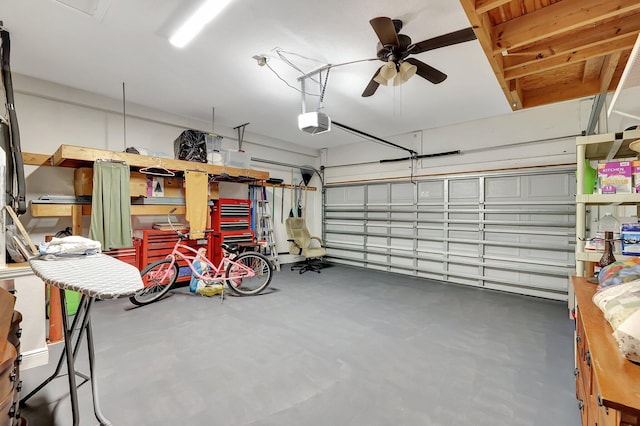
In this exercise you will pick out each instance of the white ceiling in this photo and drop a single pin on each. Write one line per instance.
(129, 43)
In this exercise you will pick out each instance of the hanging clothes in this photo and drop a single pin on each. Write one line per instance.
(111, 205)
(196, 200)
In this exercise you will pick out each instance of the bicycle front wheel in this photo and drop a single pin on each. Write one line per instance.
(249, 273)
(158, 278)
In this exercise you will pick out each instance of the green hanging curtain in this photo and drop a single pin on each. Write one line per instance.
(111, 205)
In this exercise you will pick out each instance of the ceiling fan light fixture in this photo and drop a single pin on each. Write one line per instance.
(380, 80)
(407, 71)
(388, 71)
(196, 22)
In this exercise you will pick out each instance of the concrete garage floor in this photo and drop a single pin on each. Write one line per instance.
(344, 347)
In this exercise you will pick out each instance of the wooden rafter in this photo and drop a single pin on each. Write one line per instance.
(592, 68)
(557, 61)
(556, 19)
(482, 27)
(575, 41)
(483, 6)
(545, 51)
(516, 94)
(608, 69)
(560, 92)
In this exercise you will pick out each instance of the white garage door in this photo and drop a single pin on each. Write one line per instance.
(507, 231)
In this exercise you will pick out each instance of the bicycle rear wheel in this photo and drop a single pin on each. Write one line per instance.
(238, 277)
(157, 282)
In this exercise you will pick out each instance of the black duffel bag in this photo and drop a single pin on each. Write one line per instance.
(191, 146)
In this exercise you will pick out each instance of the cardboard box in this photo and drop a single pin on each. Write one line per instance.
(635, 175)
(614, 178)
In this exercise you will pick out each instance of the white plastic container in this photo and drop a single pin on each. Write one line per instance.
(241, 160)
(215, 155)
(608, 223)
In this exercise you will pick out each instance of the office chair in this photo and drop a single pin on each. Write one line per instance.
(300, 243)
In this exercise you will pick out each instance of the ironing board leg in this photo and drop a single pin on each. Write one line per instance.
(94, 381)
(71, 347)
(70, 361)
(56, 373)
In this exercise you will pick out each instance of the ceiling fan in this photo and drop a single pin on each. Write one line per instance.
(394, 49)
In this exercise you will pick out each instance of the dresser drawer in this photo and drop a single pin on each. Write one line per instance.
(15, 331)
(7, 409)
(8, 372)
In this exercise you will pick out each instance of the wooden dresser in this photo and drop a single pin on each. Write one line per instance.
(607, 384)
(10, 383)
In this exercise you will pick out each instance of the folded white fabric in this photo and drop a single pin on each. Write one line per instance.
(73, 245)
(628, 336)
(621, 307)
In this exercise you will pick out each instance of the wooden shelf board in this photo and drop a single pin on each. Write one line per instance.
(66, 210)
(288, 186)
(76, 156)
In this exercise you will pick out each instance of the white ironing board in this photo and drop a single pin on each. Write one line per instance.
(95, 277)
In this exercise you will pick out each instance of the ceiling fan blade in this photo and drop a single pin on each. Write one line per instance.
(455, 37)
(428, 72)
(385, 30)
(372, 86)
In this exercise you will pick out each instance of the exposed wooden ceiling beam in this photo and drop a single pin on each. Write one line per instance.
(608, 69)
(556, 19)
(592, 68)
(557, 61)
(559, 93)
(483, 6)
(516, 94)
(481, 25)
(592, 36)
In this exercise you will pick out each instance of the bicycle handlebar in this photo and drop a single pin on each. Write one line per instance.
(180, 234)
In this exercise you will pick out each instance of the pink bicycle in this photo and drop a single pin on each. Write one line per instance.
(245, 273)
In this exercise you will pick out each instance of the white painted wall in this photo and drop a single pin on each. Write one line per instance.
(527, 138)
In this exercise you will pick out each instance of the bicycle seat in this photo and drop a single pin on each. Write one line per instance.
(230, 248)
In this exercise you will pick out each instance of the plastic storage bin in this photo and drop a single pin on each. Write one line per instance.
(241, 160)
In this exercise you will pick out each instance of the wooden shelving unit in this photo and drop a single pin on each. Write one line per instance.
(604, 147)
(77, 156)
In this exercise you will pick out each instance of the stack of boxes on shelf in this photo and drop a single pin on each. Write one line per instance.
(620, 177)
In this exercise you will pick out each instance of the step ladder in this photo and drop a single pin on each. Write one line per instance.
(264, 232)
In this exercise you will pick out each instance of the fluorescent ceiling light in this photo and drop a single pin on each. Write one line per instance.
(196, 22)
